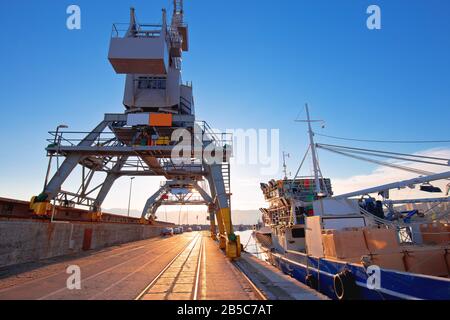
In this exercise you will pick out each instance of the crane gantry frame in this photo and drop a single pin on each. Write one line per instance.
(143, 140)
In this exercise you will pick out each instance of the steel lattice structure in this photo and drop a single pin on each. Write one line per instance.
(146, 139)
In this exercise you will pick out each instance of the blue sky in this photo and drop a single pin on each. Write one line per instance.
(253, 64)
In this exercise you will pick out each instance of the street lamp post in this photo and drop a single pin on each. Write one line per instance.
(129, 197)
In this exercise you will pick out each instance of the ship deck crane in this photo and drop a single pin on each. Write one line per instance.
(396, 185)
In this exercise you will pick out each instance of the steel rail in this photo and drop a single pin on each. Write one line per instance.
(161, 273)
(197, 273)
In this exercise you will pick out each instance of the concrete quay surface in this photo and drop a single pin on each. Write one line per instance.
(188, 266)
(183, 267)
(273, 283)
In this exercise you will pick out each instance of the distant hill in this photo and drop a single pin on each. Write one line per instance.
(246, 217)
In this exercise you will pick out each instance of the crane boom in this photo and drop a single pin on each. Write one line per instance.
(397, 185)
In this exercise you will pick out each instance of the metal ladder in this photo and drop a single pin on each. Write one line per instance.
(227, 180)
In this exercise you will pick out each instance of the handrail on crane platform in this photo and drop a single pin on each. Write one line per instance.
(150, 30)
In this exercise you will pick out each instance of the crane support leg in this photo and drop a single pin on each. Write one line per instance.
(152, 201)
(212, 222)
(222, 235)
(108, 183)
(203, 193)
(40, 204)
(211, 209)
(228, 240)
(155, 208)
(214, 216)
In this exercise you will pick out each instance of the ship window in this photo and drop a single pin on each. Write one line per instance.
(298, 233)
(158, 83)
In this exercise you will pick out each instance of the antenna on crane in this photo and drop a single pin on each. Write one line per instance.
(178, 6)
(178, 13)
(178, 29)
(133, 24)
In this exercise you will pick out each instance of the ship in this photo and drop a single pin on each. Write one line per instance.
(357, 246)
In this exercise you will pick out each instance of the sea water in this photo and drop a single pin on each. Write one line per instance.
(250, 244)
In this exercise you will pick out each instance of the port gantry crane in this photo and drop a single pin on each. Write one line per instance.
(143, 140)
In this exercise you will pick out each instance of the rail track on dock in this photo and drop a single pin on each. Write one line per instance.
(180, 278)
(184, 277)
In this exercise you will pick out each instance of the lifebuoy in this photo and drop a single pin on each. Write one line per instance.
(345, 285)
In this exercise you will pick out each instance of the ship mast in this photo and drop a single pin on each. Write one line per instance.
(285, 171)
(312, 145)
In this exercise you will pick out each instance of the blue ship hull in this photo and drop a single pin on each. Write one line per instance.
(395, 285)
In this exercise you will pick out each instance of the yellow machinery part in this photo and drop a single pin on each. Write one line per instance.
(222, 242)
(226, 218)
(163, 141)
(220, 225)
(32, 201)
(95, 216)
(232, 246)
(40, 208)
